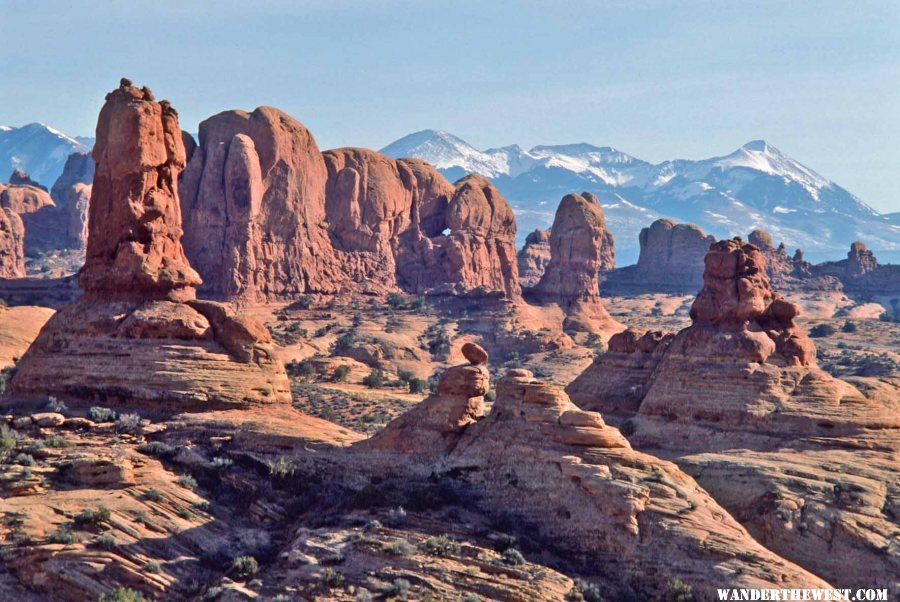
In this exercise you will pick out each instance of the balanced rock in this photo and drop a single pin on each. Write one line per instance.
(579, 240)
(474, 353)
(738, 400)
(534, 257)
(138, 335)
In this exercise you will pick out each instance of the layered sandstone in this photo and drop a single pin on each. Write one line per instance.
(538, 459)
(580, 244)
(671, 260)
(738, 400)
(71, 193)
(534, 257)
(269, 216)
(138, 335)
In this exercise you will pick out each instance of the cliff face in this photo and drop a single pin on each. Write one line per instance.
(12, 245)
(861, 272)
(138, 335)
(534, 257)
(72, 193)
(269, 216)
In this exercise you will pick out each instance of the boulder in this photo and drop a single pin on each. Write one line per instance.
(36, 209)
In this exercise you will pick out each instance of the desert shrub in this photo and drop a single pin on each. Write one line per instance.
(105, 542)
(470, 597)
(341, 373)
(876, 365)
(491, 395)
(363, 595)
(222, 463)
(57, 442)
(281, 468)
(400, 588)
(822, 330)
(848, 326)
(151, 567)
(345, 341)
(63, 535)
(128, 423)
(336, 558)
(24, 460)
(397, 301)
(7, 442)
(400, 547)
(93, 517)
(419, 303)
(584, 591)
(889, 317)
(156, 448)
(6, 375)
(513, 557)
(153, 494)
(55, 405)
(441, 546)
(121, 594)
(332, 578)
(187, 481)
(375, 379)
(99, 414)
(243, 567)
(305, 369)
(678, 591)
(396, 516)
(418, 385)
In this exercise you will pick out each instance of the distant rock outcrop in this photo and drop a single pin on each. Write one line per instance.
(579, 245)
(12, 244)
(739, 393)
(671, 260)
(72, 192)
(534, 257)
(138, 335)
(861, 273)
(538, 459)
(33, 204)
(298, 221)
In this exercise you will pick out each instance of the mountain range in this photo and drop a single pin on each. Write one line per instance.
(756, 186)
(39, 150)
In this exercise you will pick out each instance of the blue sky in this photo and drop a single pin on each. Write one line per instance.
(658, 79)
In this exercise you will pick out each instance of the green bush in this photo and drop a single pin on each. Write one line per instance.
(400, 588)
(397, 301)
(281, 468)
(340, 373)
(243, 567)
(822, 330)
(345, 341)
(93, 517)
(678, 591)
(129, 423)
(153, 494)
(848, 326)
(584, 591)
(400, 547)
(187, 481)
(151, 567)
(7, 442)
(418, 385)
(24, 460)
(156, 448)
(332, 578)
(121, 594)
(441, 546)
(513, 557)
(375, 379)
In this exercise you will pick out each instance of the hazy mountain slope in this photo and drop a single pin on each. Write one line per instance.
(38, 149)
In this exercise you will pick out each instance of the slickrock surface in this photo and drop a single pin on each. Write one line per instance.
(12, 244)
(580, 243)
(72, 192)
(804, 460)
(534, 257)
(19, 326)
(671, 259)
(538, 459)
(137, 335)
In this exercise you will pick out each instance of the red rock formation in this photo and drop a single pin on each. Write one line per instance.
(861, 273)
(540, 460)
(737, 398)
(534, 257)
(12, 245)
(31, 202)
(579, 241)
(671, 260)
(137, 335)
(72, 193)
(134, 242)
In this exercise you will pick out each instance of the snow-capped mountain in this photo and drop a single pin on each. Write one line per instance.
(38, 149)
(756, 186)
